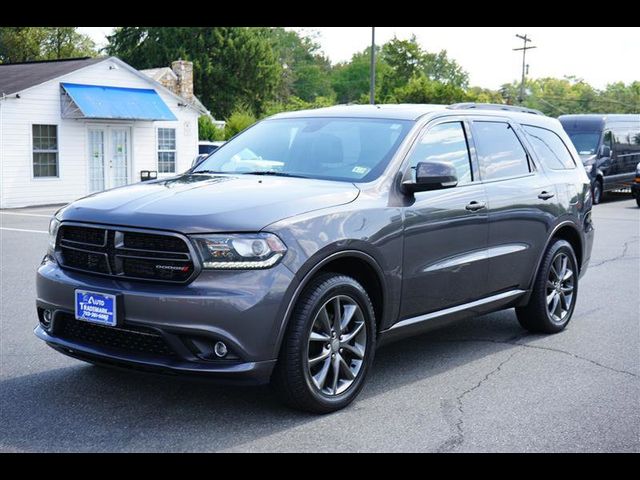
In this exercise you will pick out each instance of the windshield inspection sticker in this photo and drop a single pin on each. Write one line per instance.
(360, 170)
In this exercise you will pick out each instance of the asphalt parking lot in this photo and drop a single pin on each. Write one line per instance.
(478, 385)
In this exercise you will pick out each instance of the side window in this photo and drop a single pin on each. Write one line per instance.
(549, 148)
(166, 150)
(500, 153)
(621, 141)
(445, 142)
(45, 150)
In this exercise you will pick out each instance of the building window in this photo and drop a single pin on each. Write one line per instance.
(166, 150)
(45, 150)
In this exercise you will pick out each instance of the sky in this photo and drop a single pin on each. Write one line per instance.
(599, 55)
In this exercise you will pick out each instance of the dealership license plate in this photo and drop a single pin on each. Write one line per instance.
(96, 307)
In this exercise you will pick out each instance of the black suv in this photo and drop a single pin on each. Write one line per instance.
(299, 246)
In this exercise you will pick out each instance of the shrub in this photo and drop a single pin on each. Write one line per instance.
(240, 118)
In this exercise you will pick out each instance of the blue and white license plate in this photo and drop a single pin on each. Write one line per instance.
(96, 307)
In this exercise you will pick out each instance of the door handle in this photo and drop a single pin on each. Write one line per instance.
(544, 195)
(474, 206)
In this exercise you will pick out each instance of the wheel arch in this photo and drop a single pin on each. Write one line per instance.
(568, 231)
(354, 263)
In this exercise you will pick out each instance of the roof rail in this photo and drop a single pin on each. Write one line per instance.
(493, 106)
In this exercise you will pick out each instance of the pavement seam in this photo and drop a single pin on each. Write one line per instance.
(458, 440)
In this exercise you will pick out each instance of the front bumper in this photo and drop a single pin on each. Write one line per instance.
(243, 309)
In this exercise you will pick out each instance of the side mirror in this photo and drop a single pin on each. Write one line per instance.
(432, 176)
(605, 151)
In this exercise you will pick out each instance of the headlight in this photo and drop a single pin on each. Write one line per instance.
(54, 225)
(239, 251)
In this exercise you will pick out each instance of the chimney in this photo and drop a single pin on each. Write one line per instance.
(184, 71)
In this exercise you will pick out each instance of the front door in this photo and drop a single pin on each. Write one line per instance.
(445, 231)
(109, 157)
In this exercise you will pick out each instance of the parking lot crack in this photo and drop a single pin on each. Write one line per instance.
(622, 255)
(551, 349)
(458, 438)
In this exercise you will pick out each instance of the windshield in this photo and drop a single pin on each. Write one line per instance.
(586, 143)
(345, 149)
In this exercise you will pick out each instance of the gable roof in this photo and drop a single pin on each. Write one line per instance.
(15, 77)
(158, 73)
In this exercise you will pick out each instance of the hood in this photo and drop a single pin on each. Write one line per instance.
(209, 203)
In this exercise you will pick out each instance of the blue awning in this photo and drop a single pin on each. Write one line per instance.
(116, 103)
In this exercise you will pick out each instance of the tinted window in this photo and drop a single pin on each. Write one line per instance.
(622, 140)
(348, 149)
(445, 142)
(549, 148)
(500, 153)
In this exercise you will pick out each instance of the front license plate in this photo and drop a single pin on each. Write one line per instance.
(96, 307)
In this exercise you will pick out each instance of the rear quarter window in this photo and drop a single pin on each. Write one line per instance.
(549, 148)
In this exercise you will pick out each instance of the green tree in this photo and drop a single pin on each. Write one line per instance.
(439, 67)
(66, 42)
(421, 89)
(232, 65)
(404, 59)
(350, 80)
(305, 70)
(21, 44)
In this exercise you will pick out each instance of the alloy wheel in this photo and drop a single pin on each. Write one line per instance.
(560, 288)
(337, 345)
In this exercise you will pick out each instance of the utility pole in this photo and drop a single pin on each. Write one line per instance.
(372, 81)
(524, 49)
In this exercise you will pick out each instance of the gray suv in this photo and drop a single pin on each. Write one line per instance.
(311, 238)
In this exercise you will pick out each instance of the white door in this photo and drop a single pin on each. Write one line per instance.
(109, 157)
(96, 159)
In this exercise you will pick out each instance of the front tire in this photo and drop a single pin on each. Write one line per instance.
(328, 347)
(554, 293)
(597, 192)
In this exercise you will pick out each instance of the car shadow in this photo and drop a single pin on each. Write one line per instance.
(88, 408)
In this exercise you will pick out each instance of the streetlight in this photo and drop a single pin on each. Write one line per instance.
(372, 80)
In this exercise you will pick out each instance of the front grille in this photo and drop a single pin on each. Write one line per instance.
(125, 254)
(129, 339)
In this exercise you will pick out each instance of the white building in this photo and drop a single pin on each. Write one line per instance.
(69, 128)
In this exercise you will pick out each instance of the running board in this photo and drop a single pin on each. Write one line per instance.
(421, 323)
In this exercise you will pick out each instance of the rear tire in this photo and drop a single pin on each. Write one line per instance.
(555, 291)
(324, 360)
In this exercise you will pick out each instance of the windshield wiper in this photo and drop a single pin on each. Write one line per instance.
(207, 171)
(274, 173)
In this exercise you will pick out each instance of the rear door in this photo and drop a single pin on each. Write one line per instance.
(521, 203)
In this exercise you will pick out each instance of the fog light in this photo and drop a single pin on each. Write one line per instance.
(47, 316)
(220, 349)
